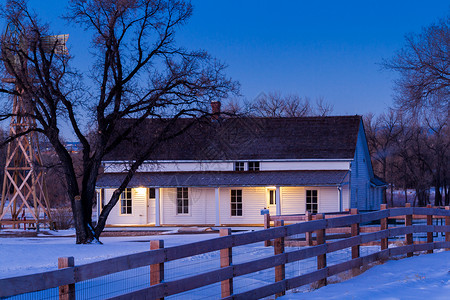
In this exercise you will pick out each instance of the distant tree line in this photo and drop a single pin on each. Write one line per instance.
(410, 143)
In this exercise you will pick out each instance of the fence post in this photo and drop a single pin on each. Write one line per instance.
(384, 226)
(156, 270)
(322, 258)
(355, 230)
(308, 235)
(409, 236)
(267, 226)
(429, 234)
(278, 248)
(226, 259)
(447, 223)
(66, 292)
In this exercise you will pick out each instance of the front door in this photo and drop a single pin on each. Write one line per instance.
(272, 200)
(151, 206)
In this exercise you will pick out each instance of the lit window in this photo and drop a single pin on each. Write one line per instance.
(311, 201)
(182, 201)
(272, 197)
(236, 203)
(253, 165)
(125, 202)
(239, 166)
(151, 193)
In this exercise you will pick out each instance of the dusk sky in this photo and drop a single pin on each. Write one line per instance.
(329, 49)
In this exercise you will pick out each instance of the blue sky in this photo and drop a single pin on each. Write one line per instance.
(329, 49)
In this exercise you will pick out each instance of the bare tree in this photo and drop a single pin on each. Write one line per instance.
(274, 104)
(139, 73)
(423, 65)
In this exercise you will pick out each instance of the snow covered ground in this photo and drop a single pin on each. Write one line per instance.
(418, 277)
(412, 278)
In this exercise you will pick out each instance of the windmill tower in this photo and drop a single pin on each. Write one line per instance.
(24, 192)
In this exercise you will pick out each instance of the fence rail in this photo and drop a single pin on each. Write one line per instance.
(226, 271)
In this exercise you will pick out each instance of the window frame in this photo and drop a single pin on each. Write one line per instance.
(239, 166)
(311, 202)
(150, 192)
(236, 200)
(272, 196)
(254, 166)
(185, 203)
(127, 201)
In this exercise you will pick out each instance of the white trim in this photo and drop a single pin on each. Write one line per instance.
(227, 160)
(157, 208)
(217, 202)
(278, 200)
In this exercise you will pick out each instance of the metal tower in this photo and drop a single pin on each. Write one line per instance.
(24, 193)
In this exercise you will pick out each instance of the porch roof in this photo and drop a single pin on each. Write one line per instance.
(226, 179)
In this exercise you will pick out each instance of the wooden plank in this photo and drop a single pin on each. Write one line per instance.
(304, 253)
(118, 264)
(408, 236)
(400, 212)
(153, 292)
(156, 270)
(36, 282)
(430, 234)
(278, 248)
(321, 258)
(423, 247)
(447, 223)
(267, 226)
(306, 278)
(306, 226)
(226, 259)
(355, 232)
(308, 235)
(343, 221)
(259, 264)
(355, 263)
(289, 218)
(423, 228)
(196, 281)
(401, 250)
(261, 292)
(257, 236)
(393, 232)
(376, 215)
(384, 226)
(343, 243)
(66, 292)
(441, 245)
(202, 247)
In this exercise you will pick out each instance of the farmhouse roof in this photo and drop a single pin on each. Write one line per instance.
(214, 179)
(244, 139)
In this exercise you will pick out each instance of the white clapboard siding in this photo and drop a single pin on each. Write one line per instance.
(360, 174)
(328, 199)
(253, 200)
(293, 200)
(201, 207)
(151, 211)
(139, 209)
(345, 197)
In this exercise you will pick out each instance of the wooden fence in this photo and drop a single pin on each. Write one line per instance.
(69, 274)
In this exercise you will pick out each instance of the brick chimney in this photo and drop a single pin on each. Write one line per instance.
(215, 110)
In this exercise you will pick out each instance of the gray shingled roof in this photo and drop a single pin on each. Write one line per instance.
(215, 179)
(247, 139)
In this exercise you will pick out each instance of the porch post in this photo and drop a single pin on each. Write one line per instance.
(278, 201)
(157, 208)
(217, 198)
(339, 188)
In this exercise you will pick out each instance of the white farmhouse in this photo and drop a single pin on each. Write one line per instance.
(225, 172)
